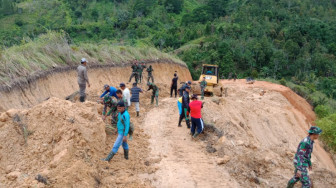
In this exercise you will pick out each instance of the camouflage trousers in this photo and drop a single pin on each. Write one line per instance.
(202, 93)
(150, 77)
(134, 74)
(114, 119)
(156, 96)
(304, 179)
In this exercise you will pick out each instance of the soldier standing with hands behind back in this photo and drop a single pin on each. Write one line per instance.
(82, 79)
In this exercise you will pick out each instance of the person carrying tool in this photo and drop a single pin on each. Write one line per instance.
(196, 116)
(112, 104)
(123, 129)
(155, 94)
(302, 159)
(134, 72)
(185, 107)
(203, 86)
(150, 73)
(82, 79)
(110, 90)
(173, 86)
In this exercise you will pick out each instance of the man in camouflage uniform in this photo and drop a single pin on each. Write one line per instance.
(203, 86)
(112, 104)
(302, 159)
(141, 67)
(155, 94)
(134, 72)
(150, 73)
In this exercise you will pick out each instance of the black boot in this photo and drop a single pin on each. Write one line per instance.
(81, 98)
(137, 114)
(180, 120)
(109, 157)
(188, 123)
(126, 153)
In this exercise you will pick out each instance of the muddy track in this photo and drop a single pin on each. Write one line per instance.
(181, 160)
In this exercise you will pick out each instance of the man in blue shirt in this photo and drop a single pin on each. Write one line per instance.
(111, 90)
(123, 128)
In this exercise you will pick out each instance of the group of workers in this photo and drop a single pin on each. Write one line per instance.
(137, 69)
(119, 100)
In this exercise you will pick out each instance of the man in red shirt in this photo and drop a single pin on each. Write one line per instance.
(196, 116)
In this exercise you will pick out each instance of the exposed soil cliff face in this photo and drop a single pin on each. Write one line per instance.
(62, 84)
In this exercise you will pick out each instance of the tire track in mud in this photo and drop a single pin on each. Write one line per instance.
(180, 160)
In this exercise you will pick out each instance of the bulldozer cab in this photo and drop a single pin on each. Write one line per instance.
(210, 72)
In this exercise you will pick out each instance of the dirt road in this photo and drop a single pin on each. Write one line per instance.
(181, 161)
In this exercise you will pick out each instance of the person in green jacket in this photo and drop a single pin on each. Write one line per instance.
(150, 73)
(134, 72)
(302, 159)
(140, 69)
(203, 86)
(155, 94)
(112, 104)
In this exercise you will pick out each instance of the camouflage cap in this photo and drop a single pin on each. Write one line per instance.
(315, 130)
(107, 99)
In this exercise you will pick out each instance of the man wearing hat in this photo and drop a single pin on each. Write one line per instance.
(140, 69)
(82, 79)
(134, 72)
(155, 94)
(126, 93)
(112, 104)
(111, 90)
(181, 90)
(196, 116)
(185, 107)
(302, 159)
(123, 128)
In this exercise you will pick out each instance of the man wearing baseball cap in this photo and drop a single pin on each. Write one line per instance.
(182, 89)
(111, 90)
(302, 159)
(196, 116)
(82, 79)
(123, 130)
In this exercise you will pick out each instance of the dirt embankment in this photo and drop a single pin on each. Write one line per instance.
(62, 84)
(64, 141)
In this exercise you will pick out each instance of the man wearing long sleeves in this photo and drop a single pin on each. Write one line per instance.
(82, 79)
(155, 94)
(110, 90)
(185, 107)
(123, 128)
(302, 159)
(126, 93)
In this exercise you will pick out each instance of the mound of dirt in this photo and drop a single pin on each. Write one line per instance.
(261, 134)
(58, 143)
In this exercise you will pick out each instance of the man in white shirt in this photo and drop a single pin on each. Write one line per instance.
(126, 93)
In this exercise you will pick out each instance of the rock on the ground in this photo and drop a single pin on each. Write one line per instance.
(223, 160)
(13, 175)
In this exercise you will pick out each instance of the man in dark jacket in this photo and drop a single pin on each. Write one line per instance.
(173, 86)
(181, 90)
(185, 107)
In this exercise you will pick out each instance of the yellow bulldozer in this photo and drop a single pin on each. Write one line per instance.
(211, 75)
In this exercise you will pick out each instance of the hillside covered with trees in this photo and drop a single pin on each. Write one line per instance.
(293, 41)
